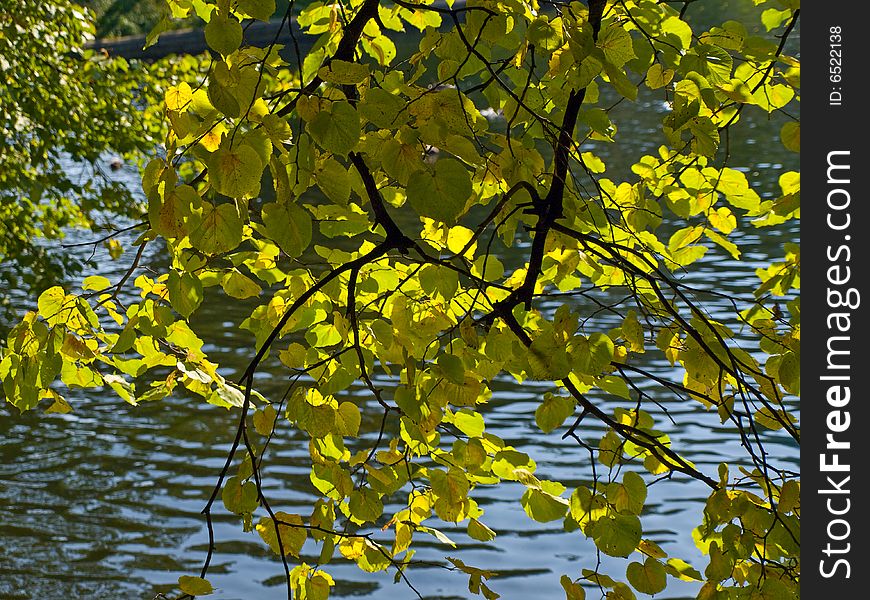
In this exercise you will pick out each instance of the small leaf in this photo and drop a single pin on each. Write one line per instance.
(648, 577)
(96, 283)
(288, 225)
(791, 135)
(235, 172)
(469, 422)
(239, 498)
(440, 193)
(616, 44)
(223, 34)
(629, 496)
(658, 77)
(333, 180)
(347, 419)
(543, 507)
(553, 411)
(257, 9)
(365, 505)
(291, 538)
(343, 72)
(264, 420)
(239, 285)
(337, 129)
(219, 229)
(195, 586)
(178, 97)
(617, 535)
(479, 531)
(651, 549)
(573, 591)
(185, 292)
(680, 569)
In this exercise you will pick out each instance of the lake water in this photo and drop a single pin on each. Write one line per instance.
(104, 502)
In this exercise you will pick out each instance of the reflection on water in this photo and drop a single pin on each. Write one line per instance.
(105, 502)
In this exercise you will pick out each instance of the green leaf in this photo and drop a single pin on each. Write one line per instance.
(724, 242)
(586, 508)
(239, 285)
(257, 9)
(543, 507)
(347, 419)
(223, 34)
(164, 24)
(381, 108)
(468, 422)
(291, 535)
(235, 172)
(615, 385)
(790, 133)
(573, 591)
(545, 34)
(553, 411)
(195, 586)
(736, 188)
(289, 226)
(240, 498)
(344, 73)
(773, 18)
(616, 44)
(651, 549)
(442, 192)
(336, 130)
(50, 303)
(648, 577)
(365, 505)
(592, 355)
(506, 462)
(452, 367)
(96, 283)
(178, 97)
(710, 61)
(169, 215)
(676, 31)
(479, 531)
(617, 535)
(548, 359)
(333, 180)
(451, 490)
(680, 569)
(629, 496)
(219, 229)
(401, 161)
(658, 77)
(185, 292)
(264, 420)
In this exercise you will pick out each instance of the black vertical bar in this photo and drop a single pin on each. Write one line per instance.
(835, 253)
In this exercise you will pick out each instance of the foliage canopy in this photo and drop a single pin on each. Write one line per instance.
(355, 196)
(66, 111)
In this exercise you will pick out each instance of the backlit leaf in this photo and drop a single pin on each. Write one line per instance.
(219, 229)
(224, 35)
(289, 225)
(617, 535)
(258, 9)
(235, 172)
(442, 192)
(648, 577)
(195, 586)
(336, 129)
(553, 411)
(287, 536)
